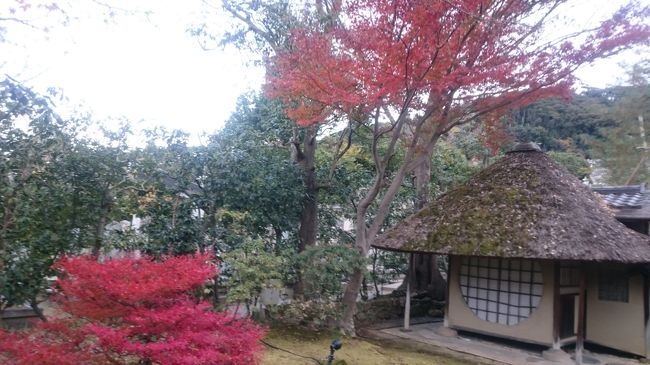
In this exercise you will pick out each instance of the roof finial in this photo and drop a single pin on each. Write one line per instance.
(526, 147)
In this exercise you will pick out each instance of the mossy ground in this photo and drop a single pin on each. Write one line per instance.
(355, 351)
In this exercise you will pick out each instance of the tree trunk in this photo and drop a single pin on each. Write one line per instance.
(364, 288)
(309, 215)
(307, 233)
(422, 184)
(215, 292)
(278, 241)
(365, 233)
(6, 224)
(99, 234)
(350, 302)
(39, 312)
(374, 272)
(207, 228)
(100, 228)
(351, 292)
(426, 275)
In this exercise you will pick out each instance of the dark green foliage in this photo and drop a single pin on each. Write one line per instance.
(387, 267)
(326, 268)
(251, 268)
(597, 124)
(61, 193)
(254, 170)
(310, 314)
(575, 163)
(58, 191)
(35, 201)
(450, 166)
(242, 183)
(623, 151)
(563, 125)
(240, 194)
(455, 159)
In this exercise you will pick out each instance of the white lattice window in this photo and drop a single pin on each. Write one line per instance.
(504, 291)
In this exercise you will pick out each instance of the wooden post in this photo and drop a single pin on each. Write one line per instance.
(557, 308)
(646, 312)
(445, 321)
(407, 304)
(582, 301)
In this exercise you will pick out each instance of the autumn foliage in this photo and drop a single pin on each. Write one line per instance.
(412, 70)
(134, 311)
(448, 59)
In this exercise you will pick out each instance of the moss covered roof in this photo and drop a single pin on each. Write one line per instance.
(524, 205)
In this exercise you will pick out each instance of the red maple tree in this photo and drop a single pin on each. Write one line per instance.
(412, 70)
(127, 311)
(435, 57)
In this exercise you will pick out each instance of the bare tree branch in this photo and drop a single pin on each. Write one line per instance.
(248, 20)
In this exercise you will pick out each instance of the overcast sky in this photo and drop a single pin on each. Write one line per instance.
(149, 68)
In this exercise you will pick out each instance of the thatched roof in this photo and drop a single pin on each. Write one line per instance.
(524, 205)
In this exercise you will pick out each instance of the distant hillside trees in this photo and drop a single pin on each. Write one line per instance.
(602, 124)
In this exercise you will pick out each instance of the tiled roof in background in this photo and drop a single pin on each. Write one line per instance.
(631, 196)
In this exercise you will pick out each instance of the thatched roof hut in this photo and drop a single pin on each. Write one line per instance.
(530, 249)
(523, 206)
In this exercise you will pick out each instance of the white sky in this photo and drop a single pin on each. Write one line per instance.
(150, 69)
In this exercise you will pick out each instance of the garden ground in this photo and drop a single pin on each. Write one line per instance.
(358, 351)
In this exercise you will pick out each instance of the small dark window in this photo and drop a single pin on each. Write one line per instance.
(613, 285)
(569, 275)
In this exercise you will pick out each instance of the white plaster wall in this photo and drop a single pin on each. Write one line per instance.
(617, 325)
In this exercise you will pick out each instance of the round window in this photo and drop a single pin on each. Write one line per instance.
(504, 291)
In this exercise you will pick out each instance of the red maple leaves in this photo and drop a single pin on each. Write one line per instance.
(130, 310)
(446, 59)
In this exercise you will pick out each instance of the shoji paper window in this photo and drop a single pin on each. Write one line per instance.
(504, 291)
